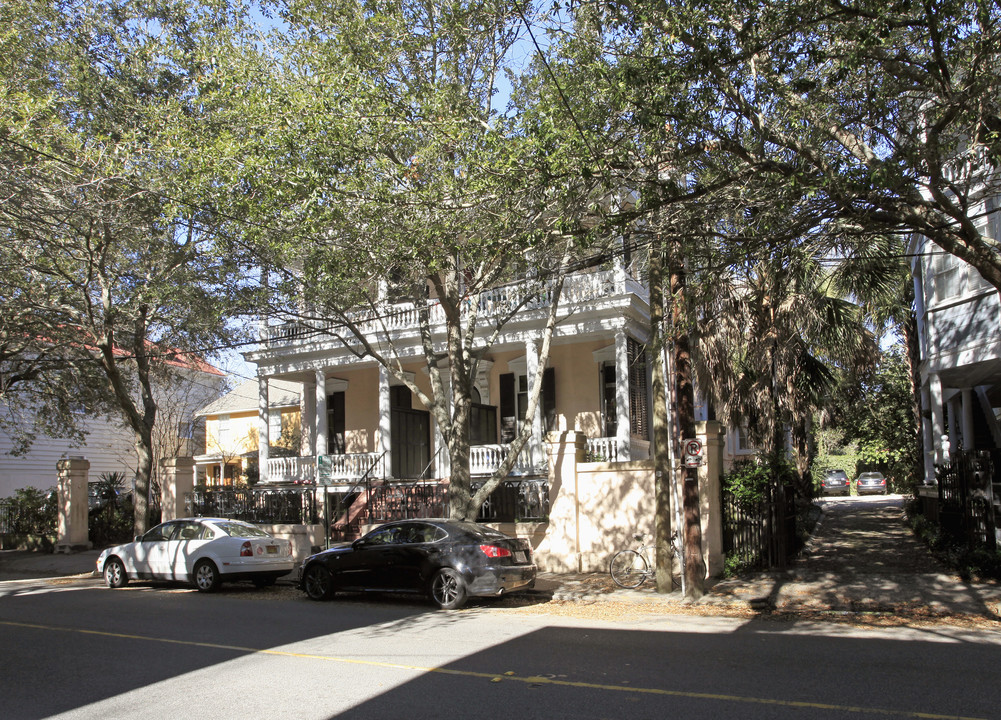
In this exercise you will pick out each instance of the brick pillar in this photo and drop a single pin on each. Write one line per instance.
(73, 510)
(712, 436)
(178, 479)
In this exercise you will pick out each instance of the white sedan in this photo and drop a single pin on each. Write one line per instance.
(203, 551)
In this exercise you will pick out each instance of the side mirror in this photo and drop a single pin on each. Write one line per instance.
(359, 543)
(139, 538)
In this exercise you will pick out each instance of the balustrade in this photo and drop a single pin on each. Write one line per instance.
(578, 288)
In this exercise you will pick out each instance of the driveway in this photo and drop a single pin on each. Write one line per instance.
(863, 557)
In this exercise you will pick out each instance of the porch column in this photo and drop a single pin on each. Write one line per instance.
(263, 443)
(939, 438)
(532, 369)
(622, 433)
(927, 437)
(307, 413)
(952, 412)
(966, 420)
(320, 447)
(385, 422)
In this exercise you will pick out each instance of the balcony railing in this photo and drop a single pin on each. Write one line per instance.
(485, 459)
(577, 289)
(291, 470)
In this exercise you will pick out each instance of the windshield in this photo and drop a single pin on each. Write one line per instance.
(237, 529)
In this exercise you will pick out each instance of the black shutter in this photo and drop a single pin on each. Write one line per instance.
(509, 418)
(335, 424)
(549, 400)
(638, 410)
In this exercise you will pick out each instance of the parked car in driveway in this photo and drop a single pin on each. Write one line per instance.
(446, 560)
(835, 482)
(871, 483)
(203, 551)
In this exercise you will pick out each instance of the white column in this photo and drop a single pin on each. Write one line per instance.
(937, 419)
(307, 413)
(385, 421)
(966, 420)
(622, 395)
(263, 442)
(531, 370)
(321, 413)
(927, 436)
(952, 420)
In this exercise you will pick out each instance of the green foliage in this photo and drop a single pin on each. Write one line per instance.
(32, 513)
(735, 564)
(112, 522)
(971, 563)
(878, 420)
(747, 481)
(119, 273)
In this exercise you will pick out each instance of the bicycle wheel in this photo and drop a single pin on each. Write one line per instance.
(628, 569)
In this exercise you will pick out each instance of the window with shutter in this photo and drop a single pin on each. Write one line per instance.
(335, 424)
(639, 413)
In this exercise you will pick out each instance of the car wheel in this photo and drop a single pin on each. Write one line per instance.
(206, 576)
(114, 573)
(318, 583)
(448, 589)
(260, 583)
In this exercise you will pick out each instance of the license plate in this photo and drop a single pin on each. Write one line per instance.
(519, 556)
(272, 549)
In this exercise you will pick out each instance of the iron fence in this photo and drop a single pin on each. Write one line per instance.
(267, 506)
(517, 501)
(21, 518)
(969, 491)
(760, 533)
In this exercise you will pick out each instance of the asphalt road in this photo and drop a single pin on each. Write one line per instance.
(78, 650)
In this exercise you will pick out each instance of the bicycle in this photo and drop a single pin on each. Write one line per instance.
(631, 568)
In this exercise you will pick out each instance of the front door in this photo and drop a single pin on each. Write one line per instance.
(410, 435)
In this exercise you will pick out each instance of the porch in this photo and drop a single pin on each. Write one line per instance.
(348, 468)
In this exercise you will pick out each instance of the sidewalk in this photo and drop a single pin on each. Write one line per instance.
(861, 561)
(28, 565)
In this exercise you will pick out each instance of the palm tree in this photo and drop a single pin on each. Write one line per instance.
(772, 333)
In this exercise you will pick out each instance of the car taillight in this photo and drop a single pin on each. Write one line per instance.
(493, 551)
(246, 550)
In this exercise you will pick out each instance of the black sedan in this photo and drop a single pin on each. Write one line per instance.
(871, 483)
(446, 560)
(835, 482)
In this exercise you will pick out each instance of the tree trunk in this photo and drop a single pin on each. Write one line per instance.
(695, 567)
(661, 424)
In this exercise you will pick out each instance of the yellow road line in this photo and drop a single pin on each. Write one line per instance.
(509, 676)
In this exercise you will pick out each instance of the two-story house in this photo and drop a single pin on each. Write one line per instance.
(231, 435)
(358, 420)
(959, 318)
(109, 445)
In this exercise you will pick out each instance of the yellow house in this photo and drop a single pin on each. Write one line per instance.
(231, 432)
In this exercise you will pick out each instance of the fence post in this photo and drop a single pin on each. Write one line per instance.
(73, 510)
(178, 479)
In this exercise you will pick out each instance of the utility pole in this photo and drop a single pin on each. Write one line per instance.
(661, 422)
